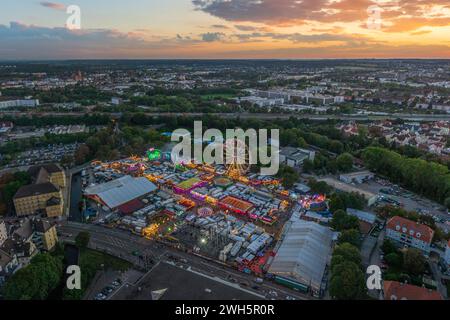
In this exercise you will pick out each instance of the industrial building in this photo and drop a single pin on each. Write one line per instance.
(362, 215)
(294, 157)
(366, 219)
(303, 256)
(357, 177)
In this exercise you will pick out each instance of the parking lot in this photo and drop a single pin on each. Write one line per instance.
(406, 199)
(47, 154)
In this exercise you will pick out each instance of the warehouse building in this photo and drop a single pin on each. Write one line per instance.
(116, 193)
(357, 177)
(303, 256)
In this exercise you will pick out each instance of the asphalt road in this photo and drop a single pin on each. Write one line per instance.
(122, 244)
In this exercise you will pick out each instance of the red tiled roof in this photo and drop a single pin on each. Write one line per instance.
(411, 228)
(132, 206)
(394, 290)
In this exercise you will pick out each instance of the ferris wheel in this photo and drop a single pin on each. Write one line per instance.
(236, 157)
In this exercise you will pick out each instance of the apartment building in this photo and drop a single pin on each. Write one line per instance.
(43, 198)
(44, 195)
(28, 103)
(45, 236)
(408, 233)
(48, 173)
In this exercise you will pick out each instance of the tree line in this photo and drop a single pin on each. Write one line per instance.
(426, 178)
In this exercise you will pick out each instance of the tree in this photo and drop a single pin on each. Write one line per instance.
(342, 221)
(349, 252)
(337, 203)
(394, 259)
(447, 202)
(35, 281)
(351, 236)
(413, 261)
(82, 154)
(336, 260)
(288, 176)
(344, 162)
(82, 239)
(347, 282)
(388, 247)
(319, 187)
(424, 177)
(308, 166)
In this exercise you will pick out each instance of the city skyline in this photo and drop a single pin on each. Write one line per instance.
(232, 29)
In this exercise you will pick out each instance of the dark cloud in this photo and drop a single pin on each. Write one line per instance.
(212, 36)
(53, 5)
(219, 26)
(245, 28)
(33, 42)
(261, 10)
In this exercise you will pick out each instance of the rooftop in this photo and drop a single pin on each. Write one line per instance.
(304, 253)
(414, 229)
(120, 191)
(236, 203)
(188, 184)
(35, 190)
(394, 290)
(168, 282)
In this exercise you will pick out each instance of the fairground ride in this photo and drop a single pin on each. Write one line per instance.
(237, 158)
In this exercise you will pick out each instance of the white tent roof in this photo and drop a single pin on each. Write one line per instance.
(120, 191)
(304, 253)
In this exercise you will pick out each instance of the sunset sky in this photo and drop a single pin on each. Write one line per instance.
(294, 29)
